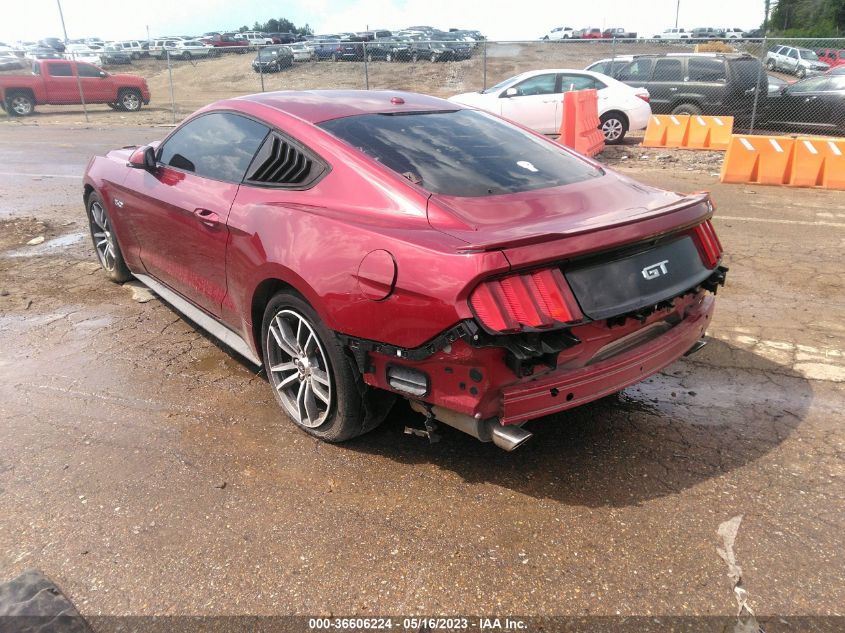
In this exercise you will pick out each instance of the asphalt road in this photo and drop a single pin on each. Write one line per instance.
(148, 471)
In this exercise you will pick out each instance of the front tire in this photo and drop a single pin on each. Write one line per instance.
(771, 65)
(433, 58)
(104, 240)
(614, 127)
(388, 58)
(129, 100)
(313, 379)
(802, 72)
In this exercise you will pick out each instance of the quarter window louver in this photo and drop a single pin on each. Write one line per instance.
(280, 162)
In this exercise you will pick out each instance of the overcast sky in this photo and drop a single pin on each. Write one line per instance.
(498, 19)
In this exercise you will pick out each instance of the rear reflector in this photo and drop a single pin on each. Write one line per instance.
(708, 243)
(537, 300)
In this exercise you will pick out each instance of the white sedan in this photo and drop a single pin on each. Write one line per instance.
(535, 99)
(83, 53)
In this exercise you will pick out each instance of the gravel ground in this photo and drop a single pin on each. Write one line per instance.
(148, 471)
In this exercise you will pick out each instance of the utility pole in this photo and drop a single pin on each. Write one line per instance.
(677, 12)
(75, 67)
(766, 17)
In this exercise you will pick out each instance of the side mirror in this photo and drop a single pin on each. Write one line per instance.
(511, 92)
(103, 74)
(144, 158)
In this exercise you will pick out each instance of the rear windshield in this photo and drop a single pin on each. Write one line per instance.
(461, 153)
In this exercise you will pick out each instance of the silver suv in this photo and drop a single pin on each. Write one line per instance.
(798, 61)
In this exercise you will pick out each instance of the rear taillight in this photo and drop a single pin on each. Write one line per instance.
(536, 300)
(709, 245)
(646, 98)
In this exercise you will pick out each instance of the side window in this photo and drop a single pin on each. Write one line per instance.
(637, 70)
(668, 70)
(792, 54)
(578, 82)
(219, 146)
(60, 70)
(539, 85)
(814, 84)
(706, 69)
(88, 71)
(601, 67)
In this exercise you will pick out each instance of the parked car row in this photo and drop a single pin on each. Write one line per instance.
(728, 84)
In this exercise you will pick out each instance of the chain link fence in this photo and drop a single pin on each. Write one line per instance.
(766, 84)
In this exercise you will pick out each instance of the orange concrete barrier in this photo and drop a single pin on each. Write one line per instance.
(666, 130)
(818, 162)
(710, 132)
(765, 160)
(689, 131)
(579, 127)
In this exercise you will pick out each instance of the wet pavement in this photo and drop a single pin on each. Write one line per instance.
(148, 471)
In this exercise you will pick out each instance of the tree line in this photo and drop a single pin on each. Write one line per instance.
(808, 18)
(282, 25)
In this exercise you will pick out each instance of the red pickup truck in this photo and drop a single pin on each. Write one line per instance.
(54, 82)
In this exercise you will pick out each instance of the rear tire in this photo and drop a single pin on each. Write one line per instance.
(388, 57)
(20, 104)
(104, 240)
(334, 57)
(614, 126)
(414, 58)
(186, 56)
(771, 65)
(801, 73)
(433, 58)
(314, 381)
(687, 108)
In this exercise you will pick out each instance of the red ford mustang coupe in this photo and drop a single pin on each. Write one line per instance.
(364, 245)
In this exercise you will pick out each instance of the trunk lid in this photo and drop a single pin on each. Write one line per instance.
(567, 221)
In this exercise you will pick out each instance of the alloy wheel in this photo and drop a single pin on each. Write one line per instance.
(298, 368)
(103, 238)
(21, 105)
(612, 129)
(130, 101)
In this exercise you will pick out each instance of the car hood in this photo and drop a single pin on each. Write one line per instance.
(544, 215)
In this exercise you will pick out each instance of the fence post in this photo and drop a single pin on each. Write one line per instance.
(170, 79)
(79, 86)
(760, 72)
(612, 55)
(484, 63)
(260, 68)
(366, 69)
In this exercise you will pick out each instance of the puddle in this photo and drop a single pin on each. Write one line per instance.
(57, 243)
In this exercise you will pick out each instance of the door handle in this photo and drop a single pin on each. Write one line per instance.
(209, 218)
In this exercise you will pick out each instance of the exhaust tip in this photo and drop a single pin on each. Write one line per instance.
(509, 438)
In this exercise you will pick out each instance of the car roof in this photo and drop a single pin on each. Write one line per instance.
(316, 106)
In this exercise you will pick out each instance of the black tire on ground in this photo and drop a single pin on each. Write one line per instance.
(686, 108)
(129, 100)
(136, 55)
(770, 64)
(802, 72)
(113, 106)
(414, 57)
(354, 408)
(388, 57)
(186, 55)
(20, 104)
(99, 222)
(614, 126)
(334, 57)
(370, 57)
(433, 58)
